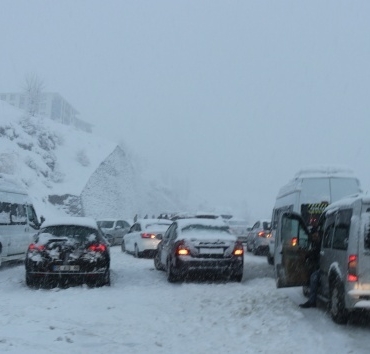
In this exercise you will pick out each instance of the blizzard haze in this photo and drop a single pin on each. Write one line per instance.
(226, 100)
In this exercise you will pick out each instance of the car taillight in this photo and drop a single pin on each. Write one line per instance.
(34, 247)
(294, 241)
(147, 235)
(182, 250)
(352, 268)
(261, 234)
(238, 249)
(97, 248)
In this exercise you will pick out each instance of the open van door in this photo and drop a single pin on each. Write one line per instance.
(291, 248)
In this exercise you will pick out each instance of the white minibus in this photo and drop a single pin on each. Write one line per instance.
(18, 219)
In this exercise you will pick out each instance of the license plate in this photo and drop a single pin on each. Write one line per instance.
(211, 250)
(68, 268)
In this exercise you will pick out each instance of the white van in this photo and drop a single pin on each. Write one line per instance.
(18, 220)
(344, 230)
(309, 193)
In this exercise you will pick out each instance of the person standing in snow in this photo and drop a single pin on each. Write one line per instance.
(313, 262)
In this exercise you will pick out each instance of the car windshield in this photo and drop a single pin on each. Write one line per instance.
(79, 233)
(266, 225)
(105, 224)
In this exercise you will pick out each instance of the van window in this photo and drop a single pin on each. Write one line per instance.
(315, 190)
(292, 228)
(4, 213)
(32, 217)
(328, 231)
(341, 231)
(18, 215)
(341, 187)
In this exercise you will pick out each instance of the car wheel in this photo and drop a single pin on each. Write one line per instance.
(169, 272)
(338, 311)
(137, 254)
(123, 247)
(107, 278)
(30, 280)
(236, 277)
(270, 260)
(249, 249)
(157, 262)
(277, 277)
(255, 250)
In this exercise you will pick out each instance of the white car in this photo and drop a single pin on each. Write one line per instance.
(141, 238)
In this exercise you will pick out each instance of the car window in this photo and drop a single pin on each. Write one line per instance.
(266, 225)
(173, 233)
(105, 224)
(167, 234)
(126, 225)
(256, 225)
(80, 234)
(119, 223)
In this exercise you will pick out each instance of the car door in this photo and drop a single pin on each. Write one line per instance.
(166, 243)
(130, 236)
(326, 253)
(118, 231)
(291, 247)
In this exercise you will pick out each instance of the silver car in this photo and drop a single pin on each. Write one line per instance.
(114, 229)
(257, 239)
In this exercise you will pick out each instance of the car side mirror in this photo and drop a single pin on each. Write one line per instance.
(159, 237)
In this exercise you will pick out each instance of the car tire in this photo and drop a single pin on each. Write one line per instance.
(123, 247)
(157, 262)
(110, 240)
(337, 306)
(171, 278)
(236, 277)
(248, 248)
(30, 280)
(255, 250)
(270, 260)
(277, 277)
(137, 254)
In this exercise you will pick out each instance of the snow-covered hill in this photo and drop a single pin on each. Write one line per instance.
(70, 171)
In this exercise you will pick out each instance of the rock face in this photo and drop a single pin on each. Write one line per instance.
(111, 189)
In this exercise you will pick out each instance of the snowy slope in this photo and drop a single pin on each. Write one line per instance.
(50, 158)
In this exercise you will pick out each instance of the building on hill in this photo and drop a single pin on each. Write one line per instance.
(51, 105)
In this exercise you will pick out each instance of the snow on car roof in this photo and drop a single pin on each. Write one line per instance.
(72, 220)
(204, 222)
(324, 171)
(145, 223)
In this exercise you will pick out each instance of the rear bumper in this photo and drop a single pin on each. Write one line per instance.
(359, 299)
(149, 244)
(222, 266)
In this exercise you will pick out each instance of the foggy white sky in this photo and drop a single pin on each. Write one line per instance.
(230, 97)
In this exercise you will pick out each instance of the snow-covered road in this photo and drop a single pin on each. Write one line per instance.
(142, 313)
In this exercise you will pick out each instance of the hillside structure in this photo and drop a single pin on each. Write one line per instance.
(51, 105)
